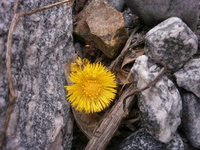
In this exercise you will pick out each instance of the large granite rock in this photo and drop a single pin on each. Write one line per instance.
(97, 28)
(142, 140)
(42, 44)
(191, 118)
(161, 104)
(152, 12)
(172, 42)
(189, 76)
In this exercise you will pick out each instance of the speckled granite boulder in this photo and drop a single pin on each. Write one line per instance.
(189, 76)
(191, 118)
(172, 42)
(42, 44)
(142, 140)
(152, 12)
(161, 104)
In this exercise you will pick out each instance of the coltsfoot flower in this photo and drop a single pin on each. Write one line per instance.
(79, 64)
(93, 87)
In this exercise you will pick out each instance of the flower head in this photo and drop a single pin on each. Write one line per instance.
(79, 64)
(93, 88)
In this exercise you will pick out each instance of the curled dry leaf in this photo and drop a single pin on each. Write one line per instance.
(86, 122)
(122, 72)
(131, 56)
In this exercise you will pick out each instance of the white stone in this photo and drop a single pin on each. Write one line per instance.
(189, 76)
(161, 104)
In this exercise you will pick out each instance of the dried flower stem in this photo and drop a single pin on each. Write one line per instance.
(13, 96)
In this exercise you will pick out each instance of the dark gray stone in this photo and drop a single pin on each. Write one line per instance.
(172, 42)
(191, 118)
(142, 140)
(117, 4)
(130, 19)
(189, 76)
(42, 44)
(153, 12)
(161, 104)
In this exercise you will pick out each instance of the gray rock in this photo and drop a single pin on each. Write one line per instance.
(2, 102)
(153, 12)
(172, 42)
(117, 4)
(42, 44)
(191, 118)
(142, 140)
(189, 76)
(160, 105)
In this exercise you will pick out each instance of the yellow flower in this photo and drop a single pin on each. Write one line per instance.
(93, 88)
(79, 64)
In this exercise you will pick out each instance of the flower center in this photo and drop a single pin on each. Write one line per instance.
(91, 88)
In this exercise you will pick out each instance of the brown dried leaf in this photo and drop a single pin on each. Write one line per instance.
(86, 122)
(131, 56)
(121, 76)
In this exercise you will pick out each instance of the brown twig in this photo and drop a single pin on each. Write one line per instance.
(10, 78)
(43, 8)
(8, 63)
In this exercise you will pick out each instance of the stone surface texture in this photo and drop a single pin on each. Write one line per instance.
(172, 42)
(191, 118)
(101, 26)
(142, 140)
(161, 104)
(117, 4)
(42, 44)
(152, 12)
(189, 76)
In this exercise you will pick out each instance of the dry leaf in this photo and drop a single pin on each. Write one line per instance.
(86, 122)
(131, 56)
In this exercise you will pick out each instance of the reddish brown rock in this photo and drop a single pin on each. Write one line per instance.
(102, 27)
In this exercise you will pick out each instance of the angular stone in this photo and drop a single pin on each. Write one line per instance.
(191, 118)
(152, 12)
(103, 31)
(160, 105)
(142, 140)
(172, 42)
(189, 76)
